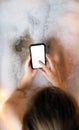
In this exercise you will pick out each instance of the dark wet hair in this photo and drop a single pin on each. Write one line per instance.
(52, 109)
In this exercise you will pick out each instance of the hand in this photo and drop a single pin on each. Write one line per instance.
(51, 73)
(28, 74)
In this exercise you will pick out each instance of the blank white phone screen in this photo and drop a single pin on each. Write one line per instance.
(37, 53)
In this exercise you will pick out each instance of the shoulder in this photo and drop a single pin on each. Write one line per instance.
(14, 106)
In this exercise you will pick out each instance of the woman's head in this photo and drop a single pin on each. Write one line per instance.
(51, 109)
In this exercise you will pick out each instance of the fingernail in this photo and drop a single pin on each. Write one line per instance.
(40, 61)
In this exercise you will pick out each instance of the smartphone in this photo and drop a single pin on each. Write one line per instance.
(37, 53)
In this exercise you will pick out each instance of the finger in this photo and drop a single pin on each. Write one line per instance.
(28, 61)
(51, 62)
(43, 72)
(34, 72)
(44, 67)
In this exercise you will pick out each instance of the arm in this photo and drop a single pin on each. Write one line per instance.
(28, 75)
(51, 73)
(14, 108)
